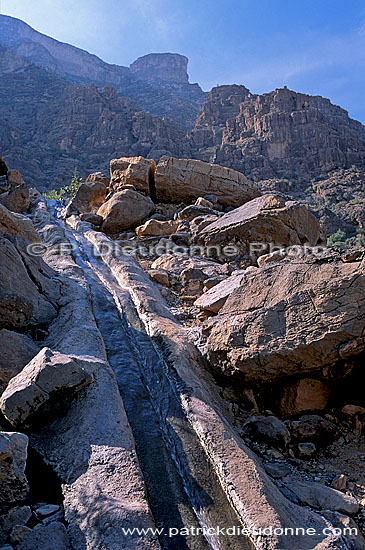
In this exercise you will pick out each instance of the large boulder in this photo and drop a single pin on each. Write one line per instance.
(17, 225)
(16, 199)
(13, 456)
(124, 210)
(290, 319)
(29, 289)
(136, 171)
(89, 197)
(47, 375)
(186, 180)
(263, 222)
(16, 351)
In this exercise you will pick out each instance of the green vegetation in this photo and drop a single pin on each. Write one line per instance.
(68, 191)
(340, 240)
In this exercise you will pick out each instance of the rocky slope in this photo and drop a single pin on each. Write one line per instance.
(228, 381)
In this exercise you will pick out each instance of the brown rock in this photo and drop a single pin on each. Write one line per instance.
(289, 319)
(276, 256)
(339, 483)
(304, 395)
(16, 351)
(156, 228)
(323, 498)
(314, 428)
(124, 210)
(89, 197)
(15, 311)
(159, 276)
(15, 177)
(95, 219)
(48, 374)
(99, 177)
(17, 199)
(264, 221)
(186, 180)
(353, 410)
(201, 201)
(215, 298)
(136, 171)
(17, 225)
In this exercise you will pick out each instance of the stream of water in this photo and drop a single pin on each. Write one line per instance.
(182, 486)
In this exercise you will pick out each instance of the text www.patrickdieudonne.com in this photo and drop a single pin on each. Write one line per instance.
(239, 531)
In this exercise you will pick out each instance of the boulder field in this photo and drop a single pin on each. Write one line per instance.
(221, 302)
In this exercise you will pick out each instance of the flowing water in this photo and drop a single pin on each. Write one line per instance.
(183, 489)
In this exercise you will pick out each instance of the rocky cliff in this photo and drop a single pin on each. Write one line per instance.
(154, 81)
(53, 121)
(282, 134)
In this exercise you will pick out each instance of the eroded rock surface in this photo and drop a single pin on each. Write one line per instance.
(185, 180)
(290, 318)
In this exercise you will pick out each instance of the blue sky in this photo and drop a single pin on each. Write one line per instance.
(316, 47)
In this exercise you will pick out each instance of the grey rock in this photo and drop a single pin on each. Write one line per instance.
(16, 351)
(47, 510)
(277, 471)
(321, 497)
(19, 515)
(13, 456)
(355, 540)
(48, 374)
(193, 211)
(267, 429)
(45, 537)
(18, 533)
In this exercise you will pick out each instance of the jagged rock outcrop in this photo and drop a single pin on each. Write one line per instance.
(187, 180)
(282, 134)
(291, 318)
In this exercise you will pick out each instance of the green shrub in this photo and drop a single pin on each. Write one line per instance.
(68, 191)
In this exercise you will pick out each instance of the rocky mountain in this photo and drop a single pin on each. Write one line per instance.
(282, 134)
(159, 83)
(57, 114)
